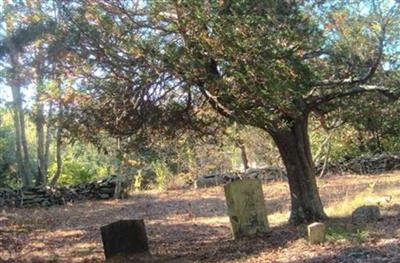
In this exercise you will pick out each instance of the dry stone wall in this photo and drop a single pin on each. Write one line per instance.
(369, 164)
(45, 196)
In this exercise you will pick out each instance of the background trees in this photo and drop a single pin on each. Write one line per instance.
(144, 72)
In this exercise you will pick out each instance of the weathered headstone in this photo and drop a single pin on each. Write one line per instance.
(366, 213)
(246, 207)
(124, 237)
(316, 233)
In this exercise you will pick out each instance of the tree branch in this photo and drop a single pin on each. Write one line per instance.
(374, 66)
(356, 90)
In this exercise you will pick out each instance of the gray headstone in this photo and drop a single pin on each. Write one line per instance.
(246, 207)
(366, 213)
(316, 233)
(124, 237)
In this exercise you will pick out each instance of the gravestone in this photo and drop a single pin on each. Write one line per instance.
(124, 237)
(316, 233)
(366, 213)
(246, 207)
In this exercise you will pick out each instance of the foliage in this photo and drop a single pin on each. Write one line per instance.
(163, 174)
(8, 174)
(82, 163)
(73, 172)
(337, 233)
(138, 181)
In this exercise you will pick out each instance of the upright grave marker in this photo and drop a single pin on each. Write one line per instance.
(124, 237)
(246, 207)
(316, 233)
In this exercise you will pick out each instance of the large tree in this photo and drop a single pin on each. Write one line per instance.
(269, 64)
(33, 54)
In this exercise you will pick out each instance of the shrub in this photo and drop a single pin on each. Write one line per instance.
(163, 174)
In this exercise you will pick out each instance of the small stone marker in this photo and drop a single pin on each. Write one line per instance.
(124, 237)
(316, 233)
(246, 207)
(366, 213)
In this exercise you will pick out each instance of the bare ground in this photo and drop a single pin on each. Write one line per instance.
(192, 226)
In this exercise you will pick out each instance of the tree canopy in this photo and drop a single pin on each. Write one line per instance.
(148, 67)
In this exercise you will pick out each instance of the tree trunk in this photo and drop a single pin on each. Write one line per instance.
(14, 82)
(121, 162)
(47, 144)
(294, 147)
(40, 178)
(21, 144)
(18, 146)
(24, 142)
(243, 153)
(58, 146)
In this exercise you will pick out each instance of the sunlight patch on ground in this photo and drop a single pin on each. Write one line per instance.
(278, 218)
(197, 221)
(381, 192)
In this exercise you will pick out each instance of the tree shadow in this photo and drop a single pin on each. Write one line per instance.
(197, 245)
(380, 243)
(150, 207)
(194, 229)
(207, 243)
(356, 254)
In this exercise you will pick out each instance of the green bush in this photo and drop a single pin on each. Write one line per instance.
(74, 172)
(337, 233)
(163, 174)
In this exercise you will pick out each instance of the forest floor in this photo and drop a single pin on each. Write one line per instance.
(192, 226)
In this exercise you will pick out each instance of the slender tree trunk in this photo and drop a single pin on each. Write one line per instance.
(24, 142)
(47, 144)
(21, 144)
(294, 147)
(243, 153)
(121, 162)
(58, 146)
(39, 122)
(326, 160)
(40, 178)
(26, 181)
(14, 81)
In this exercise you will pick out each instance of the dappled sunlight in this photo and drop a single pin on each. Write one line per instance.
(194, 219)
(279, 218)
(357, 191)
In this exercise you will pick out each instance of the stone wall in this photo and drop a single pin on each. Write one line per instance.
(264, 174)
(45, 196)
(369, 164)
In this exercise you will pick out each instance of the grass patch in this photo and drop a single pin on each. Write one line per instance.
(339, 233)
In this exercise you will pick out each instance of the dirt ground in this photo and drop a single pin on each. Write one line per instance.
(192, 226)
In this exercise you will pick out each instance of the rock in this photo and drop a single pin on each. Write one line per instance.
(246, 207)
(208, 181)
(267, 173)
(45, 203)
(316, 233)
(366, 213)
(124, 237)
(104, 196)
